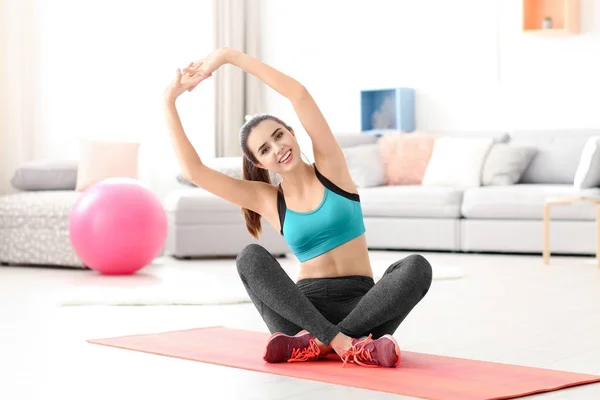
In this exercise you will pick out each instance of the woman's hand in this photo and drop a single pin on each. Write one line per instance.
(209, 64)
(182, 83)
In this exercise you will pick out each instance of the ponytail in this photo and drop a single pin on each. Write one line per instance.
(253, 173)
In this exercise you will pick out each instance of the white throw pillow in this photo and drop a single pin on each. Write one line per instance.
(365, 165)
(457, 162)
(588, 171)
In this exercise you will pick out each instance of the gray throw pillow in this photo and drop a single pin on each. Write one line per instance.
(588, 170)
(46, 175)
(505, 164)
(365, 165)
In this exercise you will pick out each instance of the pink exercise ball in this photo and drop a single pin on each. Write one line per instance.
(117, 226)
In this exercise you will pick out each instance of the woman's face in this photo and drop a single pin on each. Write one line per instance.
(274, 146)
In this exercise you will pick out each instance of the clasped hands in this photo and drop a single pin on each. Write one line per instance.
(188, 78)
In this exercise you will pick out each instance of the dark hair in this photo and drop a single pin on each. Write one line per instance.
(250, 171)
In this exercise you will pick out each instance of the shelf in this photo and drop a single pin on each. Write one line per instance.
(550, 32)
(564, 15)
(387, 110)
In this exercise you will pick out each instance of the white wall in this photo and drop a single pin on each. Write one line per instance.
(468, 60)
(104, 65)
(550, 82)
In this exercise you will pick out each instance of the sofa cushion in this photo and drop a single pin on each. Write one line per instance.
(558, 155)
(411, 201)
(457, 162)
(523, 201)
(34, 210)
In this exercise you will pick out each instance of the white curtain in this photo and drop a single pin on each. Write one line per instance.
(237, 94)
(19, 141)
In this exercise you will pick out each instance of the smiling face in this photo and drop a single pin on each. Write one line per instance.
(274, 146)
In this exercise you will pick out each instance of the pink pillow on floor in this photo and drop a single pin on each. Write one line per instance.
(405, 157)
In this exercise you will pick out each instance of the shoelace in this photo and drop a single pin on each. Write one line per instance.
(311, 352)
(359, 354)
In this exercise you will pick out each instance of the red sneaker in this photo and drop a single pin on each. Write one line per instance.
(285, 348)
(383, 352)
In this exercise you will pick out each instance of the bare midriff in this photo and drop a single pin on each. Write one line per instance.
(351, 258)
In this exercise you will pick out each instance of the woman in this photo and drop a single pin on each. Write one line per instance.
(335, 304)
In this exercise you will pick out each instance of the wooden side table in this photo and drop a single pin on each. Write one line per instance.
(569, 200)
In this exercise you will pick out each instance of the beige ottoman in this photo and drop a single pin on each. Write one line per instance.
(34, 229)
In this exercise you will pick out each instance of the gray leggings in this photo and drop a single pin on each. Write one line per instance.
(353, 305)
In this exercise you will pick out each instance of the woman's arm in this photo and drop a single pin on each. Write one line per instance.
(255, 196)
(325, 147)
(278, 81)
(327, 151)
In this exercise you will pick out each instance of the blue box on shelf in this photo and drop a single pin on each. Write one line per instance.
(387, 110)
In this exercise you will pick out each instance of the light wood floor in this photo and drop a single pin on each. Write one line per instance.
(510, 309)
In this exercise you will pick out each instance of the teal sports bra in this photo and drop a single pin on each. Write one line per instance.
(337, 220)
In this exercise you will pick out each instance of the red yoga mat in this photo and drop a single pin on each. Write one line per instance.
(420, 375)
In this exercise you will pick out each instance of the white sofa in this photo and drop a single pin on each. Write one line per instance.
(34, 225)
(509, 219)
(505, 219)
